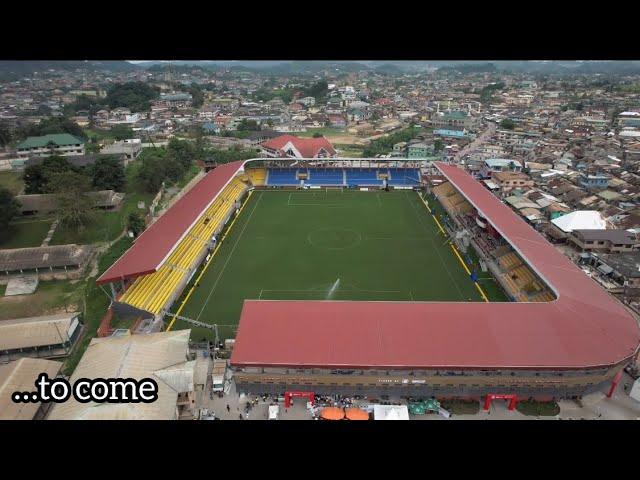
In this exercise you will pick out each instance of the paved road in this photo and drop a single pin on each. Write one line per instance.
(477, 143)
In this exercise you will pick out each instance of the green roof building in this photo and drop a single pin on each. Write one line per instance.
(62, 144)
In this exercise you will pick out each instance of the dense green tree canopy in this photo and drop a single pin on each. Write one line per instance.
(507, 124)
(37, 177)
(74, 205)
(107, 173)
(135, 223)
(197, 96)
(5, 136)
(384, 145)
(9, 208)
(248, 125)
(121, 132)
(135, 96)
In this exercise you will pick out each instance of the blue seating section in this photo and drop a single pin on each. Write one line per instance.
(363, 176)
(404, 176)
(283, 176)
(325, 176)
(335, 176)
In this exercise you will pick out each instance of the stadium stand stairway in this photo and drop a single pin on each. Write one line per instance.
(257, 176)
(509, 261)
(326, 176)
(152, 292)
(513, 289)
(364, 177)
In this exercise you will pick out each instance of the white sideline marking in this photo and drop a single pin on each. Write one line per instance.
(436, 249)
(228, 258)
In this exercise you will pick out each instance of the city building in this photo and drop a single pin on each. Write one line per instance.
(49, 336)
(20, 376)
(596, 181)
(607, 241)
(61, 144)
(163, 357)
(297, 147)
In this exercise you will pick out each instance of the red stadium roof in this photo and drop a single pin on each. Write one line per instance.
(584, 327)
(158, 241)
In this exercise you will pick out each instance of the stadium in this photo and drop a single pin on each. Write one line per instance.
(370, 277)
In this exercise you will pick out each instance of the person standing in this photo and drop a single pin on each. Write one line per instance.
(228, 408)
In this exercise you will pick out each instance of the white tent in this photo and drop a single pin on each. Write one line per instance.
(580, 220)
(390, 412)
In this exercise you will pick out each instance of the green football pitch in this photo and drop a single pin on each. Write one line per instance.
(328, 245)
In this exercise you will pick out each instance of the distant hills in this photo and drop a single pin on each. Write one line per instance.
(16, 69)
(408, 66)
(24, 67)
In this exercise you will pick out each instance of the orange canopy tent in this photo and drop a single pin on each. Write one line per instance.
(356, 414)
(332, 413)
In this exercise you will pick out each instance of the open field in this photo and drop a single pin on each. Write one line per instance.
(25, 233)
(327, 245)
(12, 181)
(51, 297)
(105, 226)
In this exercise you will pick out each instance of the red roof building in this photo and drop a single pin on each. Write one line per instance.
(296, 147)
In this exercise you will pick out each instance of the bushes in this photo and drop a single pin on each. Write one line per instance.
(535, 408)
(384, 145)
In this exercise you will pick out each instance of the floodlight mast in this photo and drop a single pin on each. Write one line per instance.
(196, 323)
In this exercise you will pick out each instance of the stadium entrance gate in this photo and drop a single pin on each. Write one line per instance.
(513, 400)
(289, 395)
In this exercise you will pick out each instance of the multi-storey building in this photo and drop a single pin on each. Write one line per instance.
(61, 144)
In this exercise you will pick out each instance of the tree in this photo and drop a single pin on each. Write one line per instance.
(152, 172)
(318, 90)
(74, 206)
(507, 124)
(248, 125)
(84, 102)
(34, 179)
(183, 151)
(107, 173)
(135, 223)
(121, 132)
(197, 97)
(317, 135)
(37, 177)
(438, 145)
(135, 96)
(9, 208)
(5, 136)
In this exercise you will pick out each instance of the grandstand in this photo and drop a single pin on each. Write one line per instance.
(451, 200)
(325, 176)
(156, 268)
(153, 292)
(519, 282)
(404, 177)
(352, 177)
(365, 177)
(282, 176)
